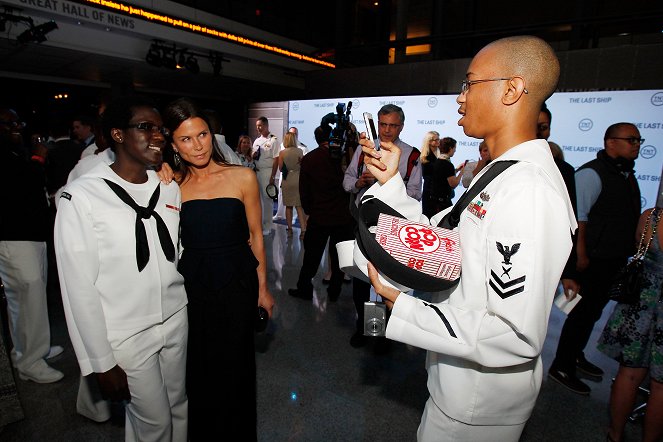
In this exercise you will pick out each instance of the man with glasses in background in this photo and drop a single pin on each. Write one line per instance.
(357, 179)
(608, 199)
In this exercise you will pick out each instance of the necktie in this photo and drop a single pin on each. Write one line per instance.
(142, 247)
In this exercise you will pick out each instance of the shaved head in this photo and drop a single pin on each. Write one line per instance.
(531, 58)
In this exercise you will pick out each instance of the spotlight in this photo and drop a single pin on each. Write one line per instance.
(181, 61)
(217, 63)
(153, 56)
(168, 59)
(38, 33)
(192, 65)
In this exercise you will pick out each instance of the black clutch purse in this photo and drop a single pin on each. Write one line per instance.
(262, 318)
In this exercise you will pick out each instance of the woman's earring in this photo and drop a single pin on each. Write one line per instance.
(177, 159)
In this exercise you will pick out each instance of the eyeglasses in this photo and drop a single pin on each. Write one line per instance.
(13, 124)
(631, 140)
(388, 125)
(147, 126)
(465, 85)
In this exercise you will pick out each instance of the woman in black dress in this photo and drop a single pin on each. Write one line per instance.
(224, 269)
(429, 155)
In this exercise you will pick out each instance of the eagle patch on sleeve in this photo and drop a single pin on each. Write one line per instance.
(508, 263)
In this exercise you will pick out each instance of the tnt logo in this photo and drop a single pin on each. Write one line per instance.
(432, 102)
(419, 238)
(295, 106)
(585, 124)
(648, 152)
(657, 99)
(355, 104)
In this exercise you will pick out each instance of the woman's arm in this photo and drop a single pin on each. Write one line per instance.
(454, 179)
(251, 200)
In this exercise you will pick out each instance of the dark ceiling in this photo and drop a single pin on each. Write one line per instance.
(357, 32)
(350, 33)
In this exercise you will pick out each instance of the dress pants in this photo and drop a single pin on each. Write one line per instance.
(264, 176)
(315, 242)
(155, 363)
(89, 402)
(24, 270)
(436, 426)
(594, 284)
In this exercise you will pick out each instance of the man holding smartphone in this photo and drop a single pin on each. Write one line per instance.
(391, 120)
(485, 335)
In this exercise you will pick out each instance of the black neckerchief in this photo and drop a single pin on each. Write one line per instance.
(142, 246)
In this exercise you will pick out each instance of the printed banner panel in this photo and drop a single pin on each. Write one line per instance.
(579, 121)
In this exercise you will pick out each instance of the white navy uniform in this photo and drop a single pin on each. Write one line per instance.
(117, 315)
(269, 147)
(484, 337)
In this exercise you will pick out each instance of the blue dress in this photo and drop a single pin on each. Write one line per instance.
(221, 282)
(633, 334)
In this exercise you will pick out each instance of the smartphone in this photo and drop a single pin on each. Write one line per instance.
(371, 133)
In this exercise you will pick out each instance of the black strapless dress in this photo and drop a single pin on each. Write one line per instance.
(221, 282)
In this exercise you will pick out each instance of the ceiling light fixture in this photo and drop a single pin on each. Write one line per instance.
(34, 34)
(168, 55)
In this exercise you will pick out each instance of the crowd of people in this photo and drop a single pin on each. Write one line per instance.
(158, 230)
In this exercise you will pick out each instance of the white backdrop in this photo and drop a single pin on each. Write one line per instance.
(579, 121)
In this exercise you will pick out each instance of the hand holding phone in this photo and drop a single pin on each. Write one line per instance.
(371, 133)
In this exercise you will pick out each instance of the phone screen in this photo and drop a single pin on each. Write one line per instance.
(371, 133)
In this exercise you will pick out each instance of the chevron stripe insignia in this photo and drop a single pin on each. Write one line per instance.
(505, 289)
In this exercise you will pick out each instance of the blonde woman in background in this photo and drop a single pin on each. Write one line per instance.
(430, 148)
(290, 159)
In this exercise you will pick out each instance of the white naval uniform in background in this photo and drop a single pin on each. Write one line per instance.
(269, 149)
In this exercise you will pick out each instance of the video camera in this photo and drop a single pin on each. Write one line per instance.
(344, 134)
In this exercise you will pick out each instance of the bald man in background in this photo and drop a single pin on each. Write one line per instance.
(484, 336)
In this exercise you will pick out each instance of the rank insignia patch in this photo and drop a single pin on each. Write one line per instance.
(503, 283)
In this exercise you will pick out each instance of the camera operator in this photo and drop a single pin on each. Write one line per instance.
(327, 206)
(357, 179)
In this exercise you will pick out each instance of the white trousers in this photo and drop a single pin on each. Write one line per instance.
(155, 363)
(436, 426)
(24, 270)
(264, 176)
(89, 402)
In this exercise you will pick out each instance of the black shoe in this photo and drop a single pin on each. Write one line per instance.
(588, 368)
(299, 294)
(358, 339)
(569, 381)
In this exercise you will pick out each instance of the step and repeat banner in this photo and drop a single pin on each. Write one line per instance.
(579, 121)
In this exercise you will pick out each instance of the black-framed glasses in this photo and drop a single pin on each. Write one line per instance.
(631, 140)
(14, 124)
(146, 126)
(465, 85)
(389, 125)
